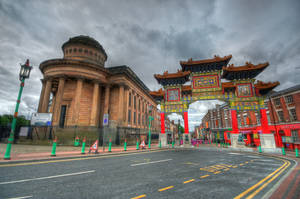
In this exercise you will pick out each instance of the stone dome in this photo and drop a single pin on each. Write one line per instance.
(84, 48)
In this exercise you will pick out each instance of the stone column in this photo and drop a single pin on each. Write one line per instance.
(121, 104)
(41, 95)
(126, 106)
(77, 97)
(58, 101)
(95, 105)
(46, 96)
(106, 99)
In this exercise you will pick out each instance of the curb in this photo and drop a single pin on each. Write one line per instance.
(80, 156)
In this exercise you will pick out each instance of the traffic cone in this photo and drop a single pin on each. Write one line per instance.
(137, 144)
(109, 146)
(125, 145)
(83, 146)
(53, 153)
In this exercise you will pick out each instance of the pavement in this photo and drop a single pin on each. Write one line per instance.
(21, 152)
(206, 171)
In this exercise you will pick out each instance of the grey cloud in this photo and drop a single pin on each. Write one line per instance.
(149, 36)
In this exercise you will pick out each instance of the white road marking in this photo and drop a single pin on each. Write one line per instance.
(48, 177)
(21, 197)
(250, 156)
(133, 165)
(235, 153)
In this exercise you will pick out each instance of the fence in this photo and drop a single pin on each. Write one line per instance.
(67, 135)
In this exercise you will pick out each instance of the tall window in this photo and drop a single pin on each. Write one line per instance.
(134, 117)
(289, 99)
(293, 114)
(129, 100)
(277, 102)
(280, 115)
(129, 116)
(139, 119)
(139, 105)
(295, 135)
(134, 102)
(143, 107)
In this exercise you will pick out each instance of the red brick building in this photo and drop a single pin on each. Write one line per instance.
(283, 112)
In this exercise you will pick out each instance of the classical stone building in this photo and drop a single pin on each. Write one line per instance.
(79, 90)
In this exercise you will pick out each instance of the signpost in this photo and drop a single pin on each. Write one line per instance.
(105, 125)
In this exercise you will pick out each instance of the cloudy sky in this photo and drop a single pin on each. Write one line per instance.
(150, 37)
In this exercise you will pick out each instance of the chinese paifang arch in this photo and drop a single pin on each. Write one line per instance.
(214, 79)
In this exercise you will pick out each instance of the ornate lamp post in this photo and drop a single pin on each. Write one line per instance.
(150, 119)
(24, 73)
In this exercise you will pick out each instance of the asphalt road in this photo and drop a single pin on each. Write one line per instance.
(180, 173)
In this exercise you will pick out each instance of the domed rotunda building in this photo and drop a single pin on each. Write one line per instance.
(79, 90)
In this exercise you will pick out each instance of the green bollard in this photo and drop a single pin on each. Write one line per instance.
(297, 154)
(83, 146)
(172, 144)
(109, 146)
(259, 149)
(7, 153)
(159, 143)
(283, 150)
(76, 142)
(137, 144)
(53, 153)
(125, 145)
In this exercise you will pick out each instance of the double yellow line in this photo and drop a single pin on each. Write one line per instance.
(267, 180)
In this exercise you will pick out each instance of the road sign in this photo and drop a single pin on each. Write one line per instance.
(105, 119)
(41, 119)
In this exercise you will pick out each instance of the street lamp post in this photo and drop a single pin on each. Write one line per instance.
(150, 119)
(24, 74)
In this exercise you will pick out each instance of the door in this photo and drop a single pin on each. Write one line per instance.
(62, 116)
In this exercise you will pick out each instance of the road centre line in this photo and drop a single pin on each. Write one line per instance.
(140, 196)
(166, 188)
(188, 181)
(204, 176)
(23, 197)
(268, 182)
(48, 177)
(260, 182)
(76, 159)
(133, 165)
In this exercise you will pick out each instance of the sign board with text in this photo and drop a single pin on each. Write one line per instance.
(41, 119)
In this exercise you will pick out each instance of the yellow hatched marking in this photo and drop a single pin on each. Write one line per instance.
(191, 180)
(234, 166)
(241, 164)
(166, 188)
(217, 172)
(141, 196)
(226, 169)
(247, 162)
(204, 176)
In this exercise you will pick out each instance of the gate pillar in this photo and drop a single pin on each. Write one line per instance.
(234, 122)
(267, 140)
(235, 131)
(162, 136)
(264, 121)
(186, 135)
